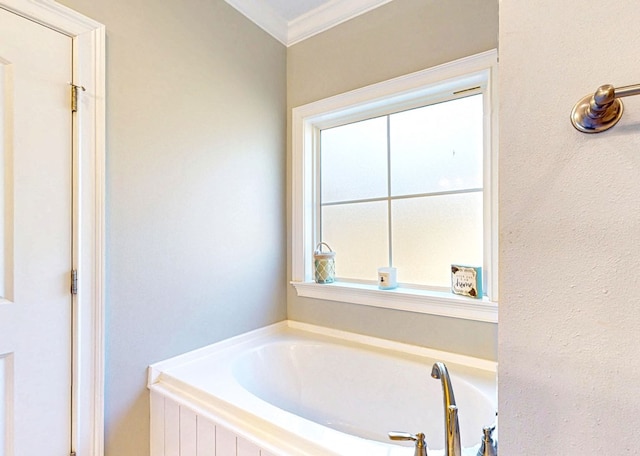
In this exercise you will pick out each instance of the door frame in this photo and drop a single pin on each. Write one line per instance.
(89, 127)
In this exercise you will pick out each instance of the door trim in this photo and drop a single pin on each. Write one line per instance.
(88, 215)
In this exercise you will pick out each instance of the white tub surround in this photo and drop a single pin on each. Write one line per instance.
(295, 389)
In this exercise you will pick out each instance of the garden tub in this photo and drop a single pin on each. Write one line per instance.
(297, 389)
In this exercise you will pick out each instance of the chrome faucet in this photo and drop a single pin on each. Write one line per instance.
(451, 425)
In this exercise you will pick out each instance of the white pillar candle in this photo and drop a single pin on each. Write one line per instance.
(387, 278)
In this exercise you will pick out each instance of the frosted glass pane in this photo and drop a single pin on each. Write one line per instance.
(353, 162)
(358, 233)
(437, 148)
(431, 233)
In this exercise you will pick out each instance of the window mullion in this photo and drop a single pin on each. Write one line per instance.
(318, 185)
(389, 191)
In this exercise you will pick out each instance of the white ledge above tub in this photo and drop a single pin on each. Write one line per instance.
(408, 299)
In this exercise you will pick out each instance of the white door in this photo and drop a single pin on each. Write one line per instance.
(35, 239)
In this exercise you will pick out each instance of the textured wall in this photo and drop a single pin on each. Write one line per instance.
(570, 232)
(398, 38)
(195, 189)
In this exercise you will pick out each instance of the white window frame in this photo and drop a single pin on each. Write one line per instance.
(404, 92)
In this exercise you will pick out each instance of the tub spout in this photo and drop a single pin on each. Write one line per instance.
(451, 426)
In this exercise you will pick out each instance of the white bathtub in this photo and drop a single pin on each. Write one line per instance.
(295, 389)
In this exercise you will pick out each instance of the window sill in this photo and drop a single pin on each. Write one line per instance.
(406, 299)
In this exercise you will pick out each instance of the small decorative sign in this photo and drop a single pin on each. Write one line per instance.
(466, 280)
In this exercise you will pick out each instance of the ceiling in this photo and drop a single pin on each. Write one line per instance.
(291, 21)
(292, 9)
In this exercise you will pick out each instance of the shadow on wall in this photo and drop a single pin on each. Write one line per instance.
(129, 424)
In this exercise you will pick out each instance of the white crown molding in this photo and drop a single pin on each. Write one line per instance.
(315, 21)
(327, 16)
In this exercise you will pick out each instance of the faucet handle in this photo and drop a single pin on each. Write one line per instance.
(488, 447)
(421, 445)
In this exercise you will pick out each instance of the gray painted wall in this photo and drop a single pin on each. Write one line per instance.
(195, 189)
(398, 38)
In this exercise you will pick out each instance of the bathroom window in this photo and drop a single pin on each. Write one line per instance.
(403, 174)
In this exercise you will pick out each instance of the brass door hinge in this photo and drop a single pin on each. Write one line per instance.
(75, 93)
(74, 282)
